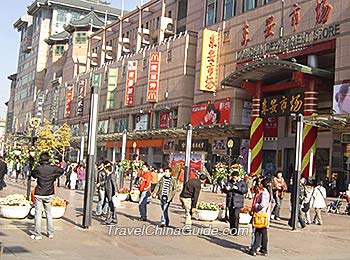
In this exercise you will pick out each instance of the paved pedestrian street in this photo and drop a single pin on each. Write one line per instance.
(131, 239)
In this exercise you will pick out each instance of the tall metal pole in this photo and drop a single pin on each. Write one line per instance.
(134, 157)
(281, 31)
(297, 172)
(91, 156)
(188, 152)
(81, 154)
(121, 177)
(31, 162)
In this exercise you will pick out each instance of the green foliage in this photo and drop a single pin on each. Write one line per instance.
(208, 206)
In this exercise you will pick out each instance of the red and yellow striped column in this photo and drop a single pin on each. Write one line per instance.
(309, 132)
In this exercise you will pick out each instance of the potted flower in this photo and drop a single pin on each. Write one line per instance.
(207, 211)
(244, 215)
(135, 195)
(14, 206)
(58, 207)
(123, 194)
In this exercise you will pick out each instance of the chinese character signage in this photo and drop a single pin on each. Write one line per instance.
(341, 99)
(40, 103)
(282, 105)
(81, 96)
(112, 87)
(270, 127)
(130, 83)
(96, 80)
(69, 99)
(211, 113)
(208, 74)
(54, 102)
(219, 145)
(245, 34)
(153, 77)
(197, 145)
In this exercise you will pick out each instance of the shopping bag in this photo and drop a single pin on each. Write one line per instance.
(260, 220)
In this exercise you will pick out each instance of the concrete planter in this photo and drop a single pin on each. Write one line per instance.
(206, 215)
(16, 212)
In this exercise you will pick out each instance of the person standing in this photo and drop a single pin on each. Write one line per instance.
(165, 191)
(46, 175)
(145, 191)
(155, 179)
(110, 189)
(189, 198)
(81, 177)
(319, 203)
(102, 207)
(279, 187)
(3, 171)
(299, 200)
(68, 172)
(260, 234)
(235, 190)
(309, 190)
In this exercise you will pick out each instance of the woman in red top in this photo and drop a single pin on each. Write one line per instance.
(279, 187)
(145, 190)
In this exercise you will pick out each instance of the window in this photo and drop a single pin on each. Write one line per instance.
(80, 38)
(59, 49)
(182, 9)
(249, 4)
(211, 12)
(229, 9)
(169, 14)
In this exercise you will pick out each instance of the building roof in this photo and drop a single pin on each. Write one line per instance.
(58, 37)
(270, 70)
(90, 20)
(22, 21)
(99, 7)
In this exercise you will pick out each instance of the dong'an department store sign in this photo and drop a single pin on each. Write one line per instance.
(197, 145)
(290, 42)
(282, 105)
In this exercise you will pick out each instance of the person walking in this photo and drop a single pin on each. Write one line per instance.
(319, 203)
(279, 187)
(102, 207)
(261, 234)
(299, 200)
(249, 181)
(3, 172)
(110, 189)
(189, 198)
(165, 191)
(68, 172)
(306, 206)
(145, 191)
(46, 175)
(235, 190)
(81, 177)
(73, 177)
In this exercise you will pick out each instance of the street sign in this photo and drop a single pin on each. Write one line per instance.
(230, 144)
(34, 122)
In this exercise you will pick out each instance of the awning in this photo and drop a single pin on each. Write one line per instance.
(271, 72)
(329, 121)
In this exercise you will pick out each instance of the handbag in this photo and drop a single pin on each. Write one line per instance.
(306, 205)
(260, 219)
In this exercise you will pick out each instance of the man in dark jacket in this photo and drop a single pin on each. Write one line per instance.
(235, 190)
(46, 175)
(3, 171)
(110, 189)
(102, 207)
(189, 198)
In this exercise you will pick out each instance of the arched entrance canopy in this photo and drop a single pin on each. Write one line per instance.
(271, 72)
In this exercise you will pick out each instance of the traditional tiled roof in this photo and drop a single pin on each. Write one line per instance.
(99, 7)
(58, 37)
(25, 19)
(90, 20)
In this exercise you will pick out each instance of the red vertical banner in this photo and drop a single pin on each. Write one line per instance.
(130, 83)
(81, 96)
(153, 77)
(69, 99)
(271, 127)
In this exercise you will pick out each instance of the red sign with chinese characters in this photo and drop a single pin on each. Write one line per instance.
(153, 77)
(69, 99)
(211, 113)
(323, 11)
(80, 102)
(130, 83)
(166, 119)
(245, 34)
(271, 127)
(270, 24)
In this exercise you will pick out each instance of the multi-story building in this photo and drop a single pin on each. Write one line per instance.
(234, 69)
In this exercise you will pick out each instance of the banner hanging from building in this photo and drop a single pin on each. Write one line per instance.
(81, 96)
(69, 99)
(153, 77)
(341, 99)
(211, 113)
(40, 103)
(131, 79)
(208, 75)
(112, 87)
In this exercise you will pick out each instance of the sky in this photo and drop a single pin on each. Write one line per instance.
(10, 11)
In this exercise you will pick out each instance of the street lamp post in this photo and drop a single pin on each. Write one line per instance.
(134, 157)
(188, 152)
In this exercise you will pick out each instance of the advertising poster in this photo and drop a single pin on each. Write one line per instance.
(141, 122)
(211, 113)
(177, 162)
(341, 99)
(166, 119)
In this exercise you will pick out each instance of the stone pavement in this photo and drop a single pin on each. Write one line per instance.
(72, 242)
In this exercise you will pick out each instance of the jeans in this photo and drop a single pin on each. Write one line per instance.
(318, 218)
(260, 239)
(43, 203)
(164, 219)
(233, 219)
(143, 204)
(277, 208)
(111, 214)
(187, 205)
(101, 208)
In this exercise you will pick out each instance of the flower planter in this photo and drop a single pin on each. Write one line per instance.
(135, 196)
(17, 212)
(206, 215)
(58, 212)
(123, 196)
(244, 218)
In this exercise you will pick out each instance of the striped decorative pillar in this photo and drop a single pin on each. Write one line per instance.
(309, 132)
(256, 134)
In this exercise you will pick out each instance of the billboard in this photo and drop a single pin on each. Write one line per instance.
(130, 83)
(69, 99)
(141, 122)
(341, 99)
(153, 77)
(211, 113)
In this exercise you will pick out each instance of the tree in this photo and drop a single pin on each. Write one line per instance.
(63, 135)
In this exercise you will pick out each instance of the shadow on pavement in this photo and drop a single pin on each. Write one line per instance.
(15, 250)
(224, 243)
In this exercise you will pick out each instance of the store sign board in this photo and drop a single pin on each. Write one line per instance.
(153, 77)
(282, 105)
(130, 83)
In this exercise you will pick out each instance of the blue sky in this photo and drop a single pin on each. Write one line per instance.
(10, 11)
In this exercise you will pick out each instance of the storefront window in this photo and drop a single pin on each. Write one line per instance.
(229, 9)
(211, 12)
(249, 4)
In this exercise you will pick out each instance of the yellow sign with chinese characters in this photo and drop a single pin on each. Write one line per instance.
(210, 47)
(282, 105)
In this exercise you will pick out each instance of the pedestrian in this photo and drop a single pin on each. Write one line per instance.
(73, 177)
(249, 181)
(235, 190)
(333, 187)
(145, 191)
(189, 198)
(165, 191)
(81, 177)
(46, 175)
(309, 190)
(18, 170)
(279, 187)
(3, 172)
(155, 179)
(111, 189)
(299, 201)
(102, 207)
(68, 171)
(319, 203)
(261, 234)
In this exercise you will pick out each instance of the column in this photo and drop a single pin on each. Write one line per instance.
(256, 134)
(309, 132)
